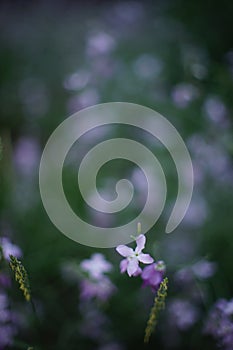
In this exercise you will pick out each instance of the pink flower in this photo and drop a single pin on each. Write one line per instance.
(153, 274)
(101, 289)
(133, 257)
(96, 284)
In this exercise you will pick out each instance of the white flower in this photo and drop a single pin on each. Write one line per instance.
(133, 257)
(96, 266)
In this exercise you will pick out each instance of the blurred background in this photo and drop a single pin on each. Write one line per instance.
(58, 57)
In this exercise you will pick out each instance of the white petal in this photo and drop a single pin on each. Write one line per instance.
(145, 258)
(132, 266)
(124, 251)
(141, 240)
(85, 265)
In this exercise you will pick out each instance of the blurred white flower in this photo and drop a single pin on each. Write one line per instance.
(183, 94)
(96, 266)
(8, 248)
(211, 158)
(100, 43)
(215, 110)
(77, 80)
(204, 269)
(183, 313)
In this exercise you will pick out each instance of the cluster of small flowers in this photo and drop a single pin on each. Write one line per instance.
(90, 275)
(220, 323)
(8, 328)
(185, 310)
(152, 275)
(95, 290)
(96, 284)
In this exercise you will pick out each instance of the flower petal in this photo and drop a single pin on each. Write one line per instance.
(145, 258)
(85, 265)
(141, 240)
(123, 265)
(124, 251)
(156, 279)
(148, 271)
(132, 266)
(138, 272)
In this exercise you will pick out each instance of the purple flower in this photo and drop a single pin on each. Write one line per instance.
(96, 266)
(7, 333)
(219, 323)
(133, 257)
(183, 314)
(9, 249)
(152, 275)
(7, 327)
(204, 269)
(96, 284)
(101, 289)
